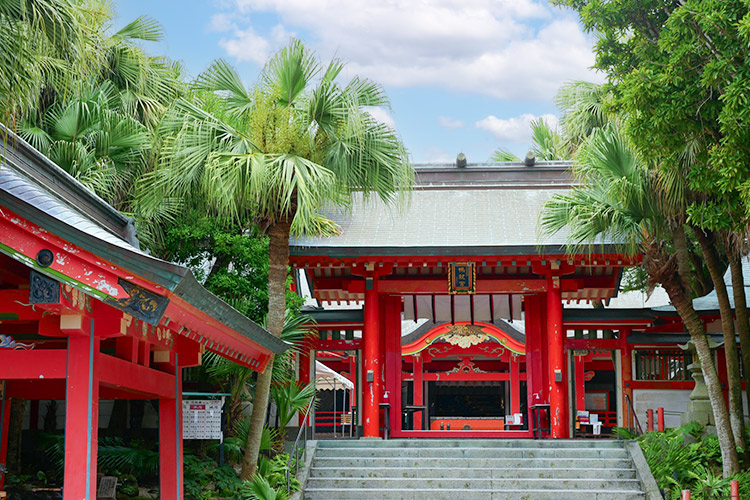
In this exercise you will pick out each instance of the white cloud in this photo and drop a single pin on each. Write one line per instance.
(382, 116)
(448, 122)
(513, 130)
(438, 155)
(221, 22)
(485, 46)
(247, 45)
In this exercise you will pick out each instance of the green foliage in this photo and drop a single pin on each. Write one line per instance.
(687, 458)
(239, 255)
(128, 485)
(258, 488)
(634, 279)
(290, 397)
(205, 480)
(273, 470)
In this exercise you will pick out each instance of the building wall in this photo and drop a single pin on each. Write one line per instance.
(673, 401)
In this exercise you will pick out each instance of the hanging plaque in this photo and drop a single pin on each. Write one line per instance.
(462, 278)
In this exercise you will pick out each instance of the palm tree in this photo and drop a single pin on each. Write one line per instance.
(547, 144)
(277, 154)
(618, 202)
(582, 107)
(37, 41)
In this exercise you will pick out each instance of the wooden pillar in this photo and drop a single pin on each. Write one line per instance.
(536, 392)
(4, 429)
(418, 391)
(392, 330)
(515, 385)
(81, 416)
(626, 357)
(556, 357)
(170, 441)
(304, 373)
(580, 381)
(371, 354)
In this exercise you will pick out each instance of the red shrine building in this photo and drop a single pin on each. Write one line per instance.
(86, 316)
(453, 317)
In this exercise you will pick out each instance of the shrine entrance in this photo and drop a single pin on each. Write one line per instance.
(596, 391)
(464, 380)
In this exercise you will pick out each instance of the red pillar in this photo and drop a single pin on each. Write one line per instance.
(418, 390)
(627, 375)
(4, 427)
(371, 354)
(555, 337)
(580, 383)
(304, 373)
(393, 370)
(536, 392)
(170, 441)
(515, 385)
(81, 417)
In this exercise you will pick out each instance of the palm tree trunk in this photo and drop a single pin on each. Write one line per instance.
(683, 303)
(694, 326)
(740, 308)
(736, 416)
(278, 261)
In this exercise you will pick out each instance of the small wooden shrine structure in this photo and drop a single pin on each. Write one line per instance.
(86, 315)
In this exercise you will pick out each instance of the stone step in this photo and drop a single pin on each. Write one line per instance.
(379, 493)
(466, 463)
(438, 483)
(471, 443)
(460, 452)
(473, 472)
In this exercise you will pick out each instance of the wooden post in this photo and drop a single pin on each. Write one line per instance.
(370, 353)
(4, 430)
(660, 419)
(536, 392)
(392, 331)
(81, 416)
(304, 373)
(735, 490)
(627, 375)
(515, 385)
(650, 420)
(555, 337)
(170, 441)
(418, 391)
(580, 383)
(685, 494)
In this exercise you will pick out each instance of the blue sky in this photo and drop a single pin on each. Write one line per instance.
(462, 75)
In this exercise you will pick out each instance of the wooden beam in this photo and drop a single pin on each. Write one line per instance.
(35, 364)
(594, 343)
(120, 373)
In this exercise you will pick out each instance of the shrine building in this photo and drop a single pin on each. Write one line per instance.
(454, 317)
(87, 316)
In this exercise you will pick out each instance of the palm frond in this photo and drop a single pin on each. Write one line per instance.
(144, 28)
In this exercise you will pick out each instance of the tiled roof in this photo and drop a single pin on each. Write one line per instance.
(450, 221)
(41, 192)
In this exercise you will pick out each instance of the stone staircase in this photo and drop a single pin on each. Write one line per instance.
(470, 469)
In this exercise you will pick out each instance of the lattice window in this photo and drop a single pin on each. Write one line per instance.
(662, 364)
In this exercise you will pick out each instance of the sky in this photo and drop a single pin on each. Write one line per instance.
(462, 75)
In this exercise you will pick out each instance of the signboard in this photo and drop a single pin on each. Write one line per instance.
(462, 278)
(107, 488)
(201, 419)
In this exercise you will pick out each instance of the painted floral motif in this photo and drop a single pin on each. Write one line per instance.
(467, 366)
(465, 336)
